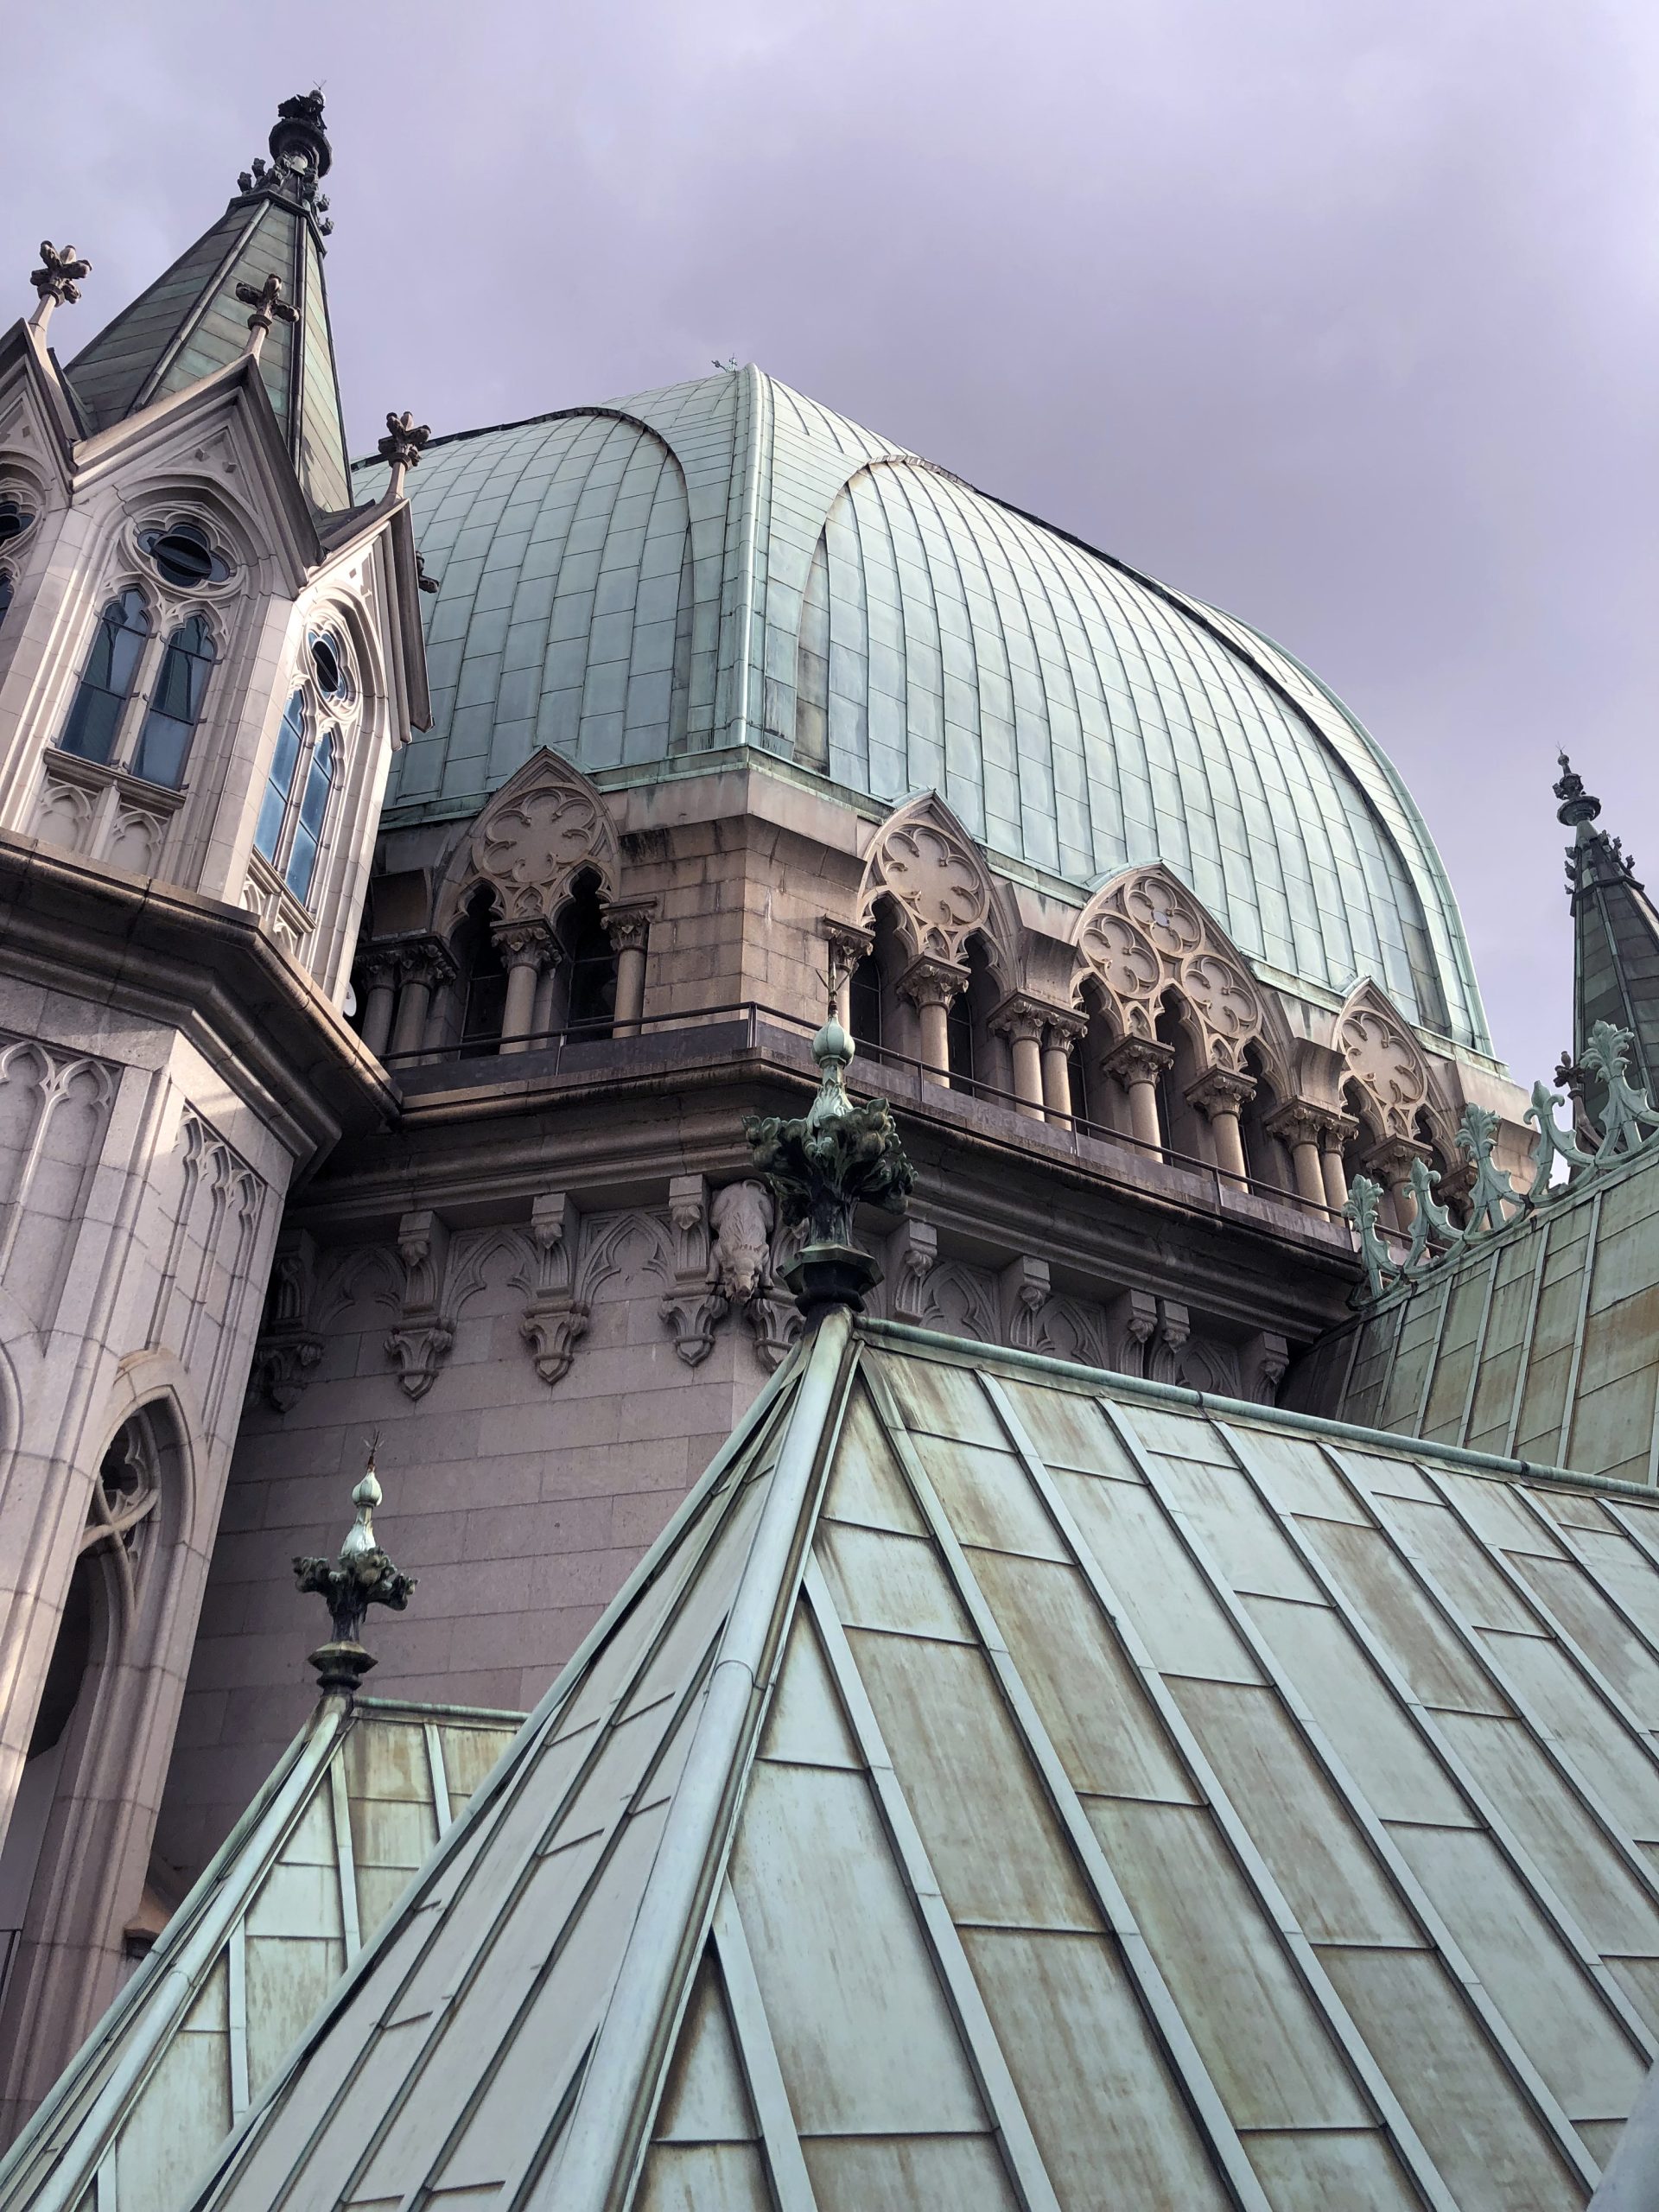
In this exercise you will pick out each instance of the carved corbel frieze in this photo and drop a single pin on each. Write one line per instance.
(913, 1254)
(424, 1335)
(554, 1317)
(287, 1346)
(1262, 1360)
(1025, 1288)
(696, 1305)
(1131, 1318)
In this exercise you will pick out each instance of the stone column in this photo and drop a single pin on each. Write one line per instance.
(1059, 1039)
(1137, 1063)
(1389, 1164)
(846, 946)
(378, 973)
(527, 949)
(1022, 1026)
(424, 966)
(932, 987)
(1299, 1128)
(627, 927)
(1341, 1129)
(1219, 1094)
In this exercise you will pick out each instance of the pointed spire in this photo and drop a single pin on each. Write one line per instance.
(362, 1576)
(1616, 943)
(190, 322)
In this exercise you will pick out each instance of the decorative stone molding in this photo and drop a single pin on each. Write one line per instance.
(555, 1317)
(742, 1217)
(924, 861)
(913, 1252)
(846, 945)
(1384, 1060)
(526, 945)
(928, 983)
(696, 1304)
(628, 926)
(539, 832)
(1262, 1361)
(1137, 1059)
(1131, 1317)
(424, 1335)
(289, 1345)
(1145, 934)
(1025, 1290)
(1219, 1091)
(961, 1301)
(1020, 1020)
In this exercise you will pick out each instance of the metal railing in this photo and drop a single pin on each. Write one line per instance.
(924, 1084)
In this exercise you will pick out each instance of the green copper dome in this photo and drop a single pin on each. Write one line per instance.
(725, 563)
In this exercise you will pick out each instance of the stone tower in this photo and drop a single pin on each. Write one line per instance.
(208, 657)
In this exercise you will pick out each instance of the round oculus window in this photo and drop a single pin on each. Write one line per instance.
(184, 556)
(328, 667)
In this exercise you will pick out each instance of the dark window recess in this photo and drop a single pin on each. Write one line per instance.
(175, 705)
(183, 556)
(66, 1669)
(864, 1003)
(487, 980)
(1077, 1086)
(15, 519)
(112, 664)
(592, 1000)
(959, 1040)
(5, 593)
(327, 666)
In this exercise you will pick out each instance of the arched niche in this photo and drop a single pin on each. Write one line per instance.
(924, 863)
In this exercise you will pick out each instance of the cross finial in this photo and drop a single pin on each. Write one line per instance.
(1577, 805)
(57, 281)
(268, 306)
(401, 449)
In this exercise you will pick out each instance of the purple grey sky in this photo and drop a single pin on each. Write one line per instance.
(1340, 316)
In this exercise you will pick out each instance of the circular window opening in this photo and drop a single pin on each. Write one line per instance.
(15, 518)
(328, 667)
(184, 556)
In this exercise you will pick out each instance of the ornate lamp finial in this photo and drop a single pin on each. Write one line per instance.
(268, 306)
(1577, 805)
(362, 1576)
(57, 281)
(401, 449)
(821, 1168)
(300, 157)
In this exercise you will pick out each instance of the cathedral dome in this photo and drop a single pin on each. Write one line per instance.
(725, 563)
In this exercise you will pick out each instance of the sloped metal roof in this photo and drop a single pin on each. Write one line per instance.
(1008, 1785)
(306, 1878)
(189, 322)
(726, 562)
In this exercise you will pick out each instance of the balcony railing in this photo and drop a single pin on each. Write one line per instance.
(746, 1024)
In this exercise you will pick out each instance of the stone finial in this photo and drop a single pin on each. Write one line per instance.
(401, 449)
(268, 306)
(57, 281)
(821, 1168)
(301, 157)
(362, 1576)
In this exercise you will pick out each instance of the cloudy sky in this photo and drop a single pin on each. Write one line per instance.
(1341, 315)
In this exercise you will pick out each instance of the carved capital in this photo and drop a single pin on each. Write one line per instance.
(1218, 1090)
(847, 945)
(1299, 1121)
(932, 982)
(1027, 1288)
(1137, 1059)
(1174, 1323)
(427, 960)
(550, 1327)
(526, 945)
(913, 1252)
(283, 1360)
(1390, 1161)
(419, 1352)
(627, 927)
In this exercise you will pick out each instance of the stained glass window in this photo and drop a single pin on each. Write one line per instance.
(314, 806)
(175, 704)
(106, 682)
(273, 808)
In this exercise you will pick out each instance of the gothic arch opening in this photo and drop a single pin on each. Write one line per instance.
(1184, 1128)
(585, 972)
(482, 977)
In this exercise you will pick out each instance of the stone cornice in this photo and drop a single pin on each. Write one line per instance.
(209, 970)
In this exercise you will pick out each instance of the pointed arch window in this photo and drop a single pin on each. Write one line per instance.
(106, 682)
(314, 809)
(279, 784)
(292, 814)
(175, 704)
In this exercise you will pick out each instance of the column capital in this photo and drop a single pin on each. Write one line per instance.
(525, 944)
(1020, 1020)
(848, 945)
(1138, 1059)
(1220, 1090)
(1390, 1161)
(627, 923)
(1300, 1120)
(932, 982)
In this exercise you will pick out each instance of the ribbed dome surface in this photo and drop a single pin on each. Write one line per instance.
(725, 563)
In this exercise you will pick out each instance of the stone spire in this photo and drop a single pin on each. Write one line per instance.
(361, 1577)
(821, 1168)
(193, 320)
(1616, 943)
